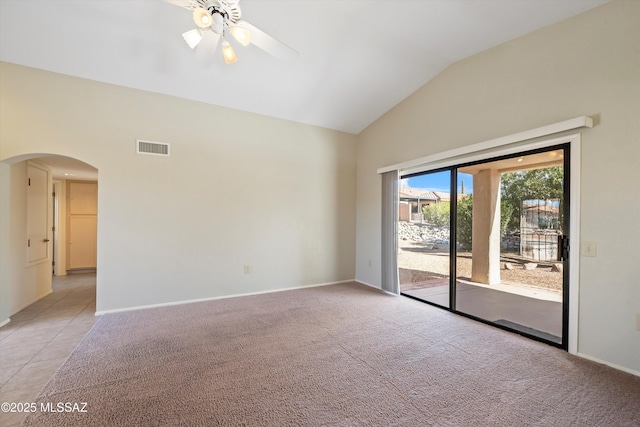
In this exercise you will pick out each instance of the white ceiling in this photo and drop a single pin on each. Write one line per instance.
(357, 59)
(63, 167)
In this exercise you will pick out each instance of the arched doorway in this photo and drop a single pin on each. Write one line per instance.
(34, 225)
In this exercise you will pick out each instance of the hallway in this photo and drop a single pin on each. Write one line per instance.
(40, 337)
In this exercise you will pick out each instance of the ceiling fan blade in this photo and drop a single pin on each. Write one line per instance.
(207, 47)
(267, 43)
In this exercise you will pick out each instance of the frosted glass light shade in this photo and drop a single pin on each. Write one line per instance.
(202, 17)
(228, 53)
(243, 35)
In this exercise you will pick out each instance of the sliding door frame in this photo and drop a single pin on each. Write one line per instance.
(571, 143)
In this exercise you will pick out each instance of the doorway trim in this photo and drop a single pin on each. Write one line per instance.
(507, 146)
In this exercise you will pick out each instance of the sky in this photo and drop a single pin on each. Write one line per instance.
(439, 181)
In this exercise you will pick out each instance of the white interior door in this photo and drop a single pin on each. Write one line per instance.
(82, 220)
(37, 214)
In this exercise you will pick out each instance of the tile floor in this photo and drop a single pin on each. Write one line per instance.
(40, 337)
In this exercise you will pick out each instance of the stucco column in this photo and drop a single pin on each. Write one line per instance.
(485, 265)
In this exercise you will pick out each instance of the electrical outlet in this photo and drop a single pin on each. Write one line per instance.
(589, 249)
(247, 269)
(370, 263)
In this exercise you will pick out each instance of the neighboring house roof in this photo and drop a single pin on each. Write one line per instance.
(445, 197)
(408, 192)
(423, 194)
(536, 205)
(417, 193)
(542, 208)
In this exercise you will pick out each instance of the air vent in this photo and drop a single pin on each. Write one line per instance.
(153, 148)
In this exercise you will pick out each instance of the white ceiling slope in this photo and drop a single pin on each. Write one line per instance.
(357, 58)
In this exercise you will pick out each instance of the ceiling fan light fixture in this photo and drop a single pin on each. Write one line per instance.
(192, 37)
(243, 35)
(215, 19)
(228, 53)
(202, 17)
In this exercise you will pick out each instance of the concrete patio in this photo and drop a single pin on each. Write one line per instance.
(529, 310)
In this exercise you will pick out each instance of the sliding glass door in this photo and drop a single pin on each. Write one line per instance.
(488, 240)
(424, 237)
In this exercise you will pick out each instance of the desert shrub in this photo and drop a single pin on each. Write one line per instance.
(465, 221)
(437, 214)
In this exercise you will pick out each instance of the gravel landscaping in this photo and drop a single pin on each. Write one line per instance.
(425, 261)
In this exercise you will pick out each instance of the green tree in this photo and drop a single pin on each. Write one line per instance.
(515, 187)
(437, 214)
(464, 221)
(506, 214)
(518, 186)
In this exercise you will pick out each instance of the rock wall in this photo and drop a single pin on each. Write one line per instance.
(440, 235)
(511, 241)
(423, 233)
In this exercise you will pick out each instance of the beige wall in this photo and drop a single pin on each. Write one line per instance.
(589, 64)
(239, 189)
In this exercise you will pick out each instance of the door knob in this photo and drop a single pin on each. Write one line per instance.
(45, 240)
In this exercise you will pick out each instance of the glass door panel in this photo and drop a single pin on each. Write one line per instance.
(424, 237)
(508, 229)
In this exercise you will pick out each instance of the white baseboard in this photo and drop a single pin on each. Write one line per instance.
(365, 283)
(377, 287)
(611, 365)
(27, 304)
(584, 356)
(167, 304)
(4, 322)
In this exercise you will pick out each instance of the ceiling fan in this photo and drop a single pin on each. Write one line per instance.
(215, 19)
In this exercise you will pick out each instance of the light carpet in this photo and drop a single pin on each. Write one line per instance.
(344, 355)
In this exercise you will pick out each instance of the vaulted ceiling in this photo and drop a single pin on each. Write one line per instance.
(357, 58)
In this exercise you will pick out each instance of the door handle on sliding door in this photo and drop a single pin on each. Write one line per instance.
(563, 247)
